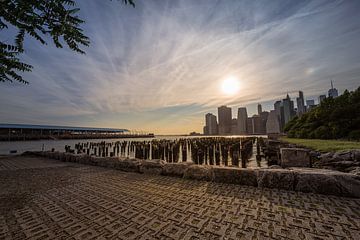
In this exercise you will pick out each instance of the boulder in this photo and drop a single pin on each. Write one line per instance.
(342, 156)
(175, 169)
(128, 165)
(327, 182)
(355, 170)
(198, 172)
(276, 178)
(295, 157)
(275, 167)
(355, 155)
(241, 176)
(151, 166)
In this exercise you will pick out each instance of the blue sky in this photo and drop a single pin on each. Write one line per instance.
(159, 67)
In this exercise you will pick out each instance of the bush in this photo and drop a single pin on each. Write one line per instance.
(322, 132)
(354, 135)
(334, 118)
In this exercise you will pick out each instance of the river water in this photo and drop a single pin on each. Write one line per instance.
(59, 145)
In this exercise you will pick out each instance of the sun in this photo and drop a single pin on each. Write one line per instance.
(230, 85)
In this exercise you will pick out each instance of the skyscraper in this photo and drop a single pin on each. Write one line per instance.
(279, 110)
(322, 98)
(273, 124)
(333, 92)
(310, 103)
(224, 114)
(263, 118)
(211, 124)
(288, 109)
(259, 108)
(241, 120)
(300, 104)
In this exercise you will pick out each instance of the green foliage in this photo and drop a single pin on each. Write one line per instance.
(39, 19)
(337, 118)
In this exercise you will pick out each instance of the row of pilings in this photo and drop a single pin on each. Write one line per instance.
(219, 151)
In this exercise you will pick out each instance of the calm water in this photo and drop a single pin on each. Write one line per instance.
(38, 145)
(59, 145)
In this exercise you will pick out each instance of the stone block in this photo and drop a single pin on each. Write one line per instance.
(198, 172)
(175, 169)
(327, 182)
(295, 157)
(242, 176)
(151, 166)
(128, 165)
(276, 178)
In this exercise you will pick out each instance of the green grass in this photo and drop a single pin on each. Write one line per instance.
(323, 145)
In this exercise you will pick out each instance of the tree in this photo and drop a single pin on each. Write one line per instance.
(334, 118)
(39, 19)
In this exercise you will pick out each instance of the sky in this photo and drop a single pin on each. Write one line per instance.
(159, 67)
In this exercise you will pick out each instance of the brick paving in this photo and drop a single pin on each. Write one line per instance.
(48, 199)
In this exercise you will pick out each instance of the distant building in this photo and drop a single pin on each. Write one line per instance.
(333, 92)
(241, 120)
(288, 109)
(211, 124)
(263, 119)
(224, 114)
(300, 104)
(234, 128)
(322, 98)
(272, 123)
(279, 110)
(206, 130)
(255, 125)
(310, 103)
(259, 108)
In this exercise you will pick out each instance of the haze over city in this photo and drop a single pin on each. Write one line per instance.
(160, 66)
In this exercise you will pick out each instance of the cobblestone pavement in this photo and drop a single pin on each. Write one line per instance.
(46, 199)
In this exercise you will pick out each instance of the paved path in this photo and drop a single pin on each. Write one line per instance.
(47, 199)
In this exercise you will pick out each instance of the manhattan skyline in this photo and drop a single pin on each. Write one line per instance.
(159, 67)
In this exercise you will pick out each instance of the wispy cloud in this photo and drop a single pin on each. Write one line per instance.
(174, 54)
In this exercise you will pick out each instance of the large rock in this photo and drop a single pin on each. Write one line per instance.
(151, 166)
(128, 165)
(198, 172)
(295, 157)
(241, 176)
(175, 169)
(276, 178)
(327, 182)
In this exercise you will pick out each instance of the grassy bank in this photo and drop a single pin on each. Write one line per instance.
(324, 145)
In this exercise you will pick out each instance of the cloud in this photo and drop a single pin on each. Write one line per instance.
(174, 54)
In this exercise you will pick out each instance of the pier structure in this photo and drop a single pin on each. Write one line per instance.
(19, 132)
(212, 151)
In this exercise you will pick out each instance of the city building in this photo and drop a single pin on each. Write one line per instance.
(259, 108)
(310, 103)
(288, 105)
(263, 119)
(300, 104)
(279, 110)
(206, 130)
(333, 92)
(211, 124)
(322, 98)
(250, 126)
(224, 114)
(241, 120)
(255, 125)
(234, 128)
(272, 123)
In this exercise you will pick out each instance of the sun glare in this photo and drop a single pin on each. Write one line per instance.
(230, 86)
